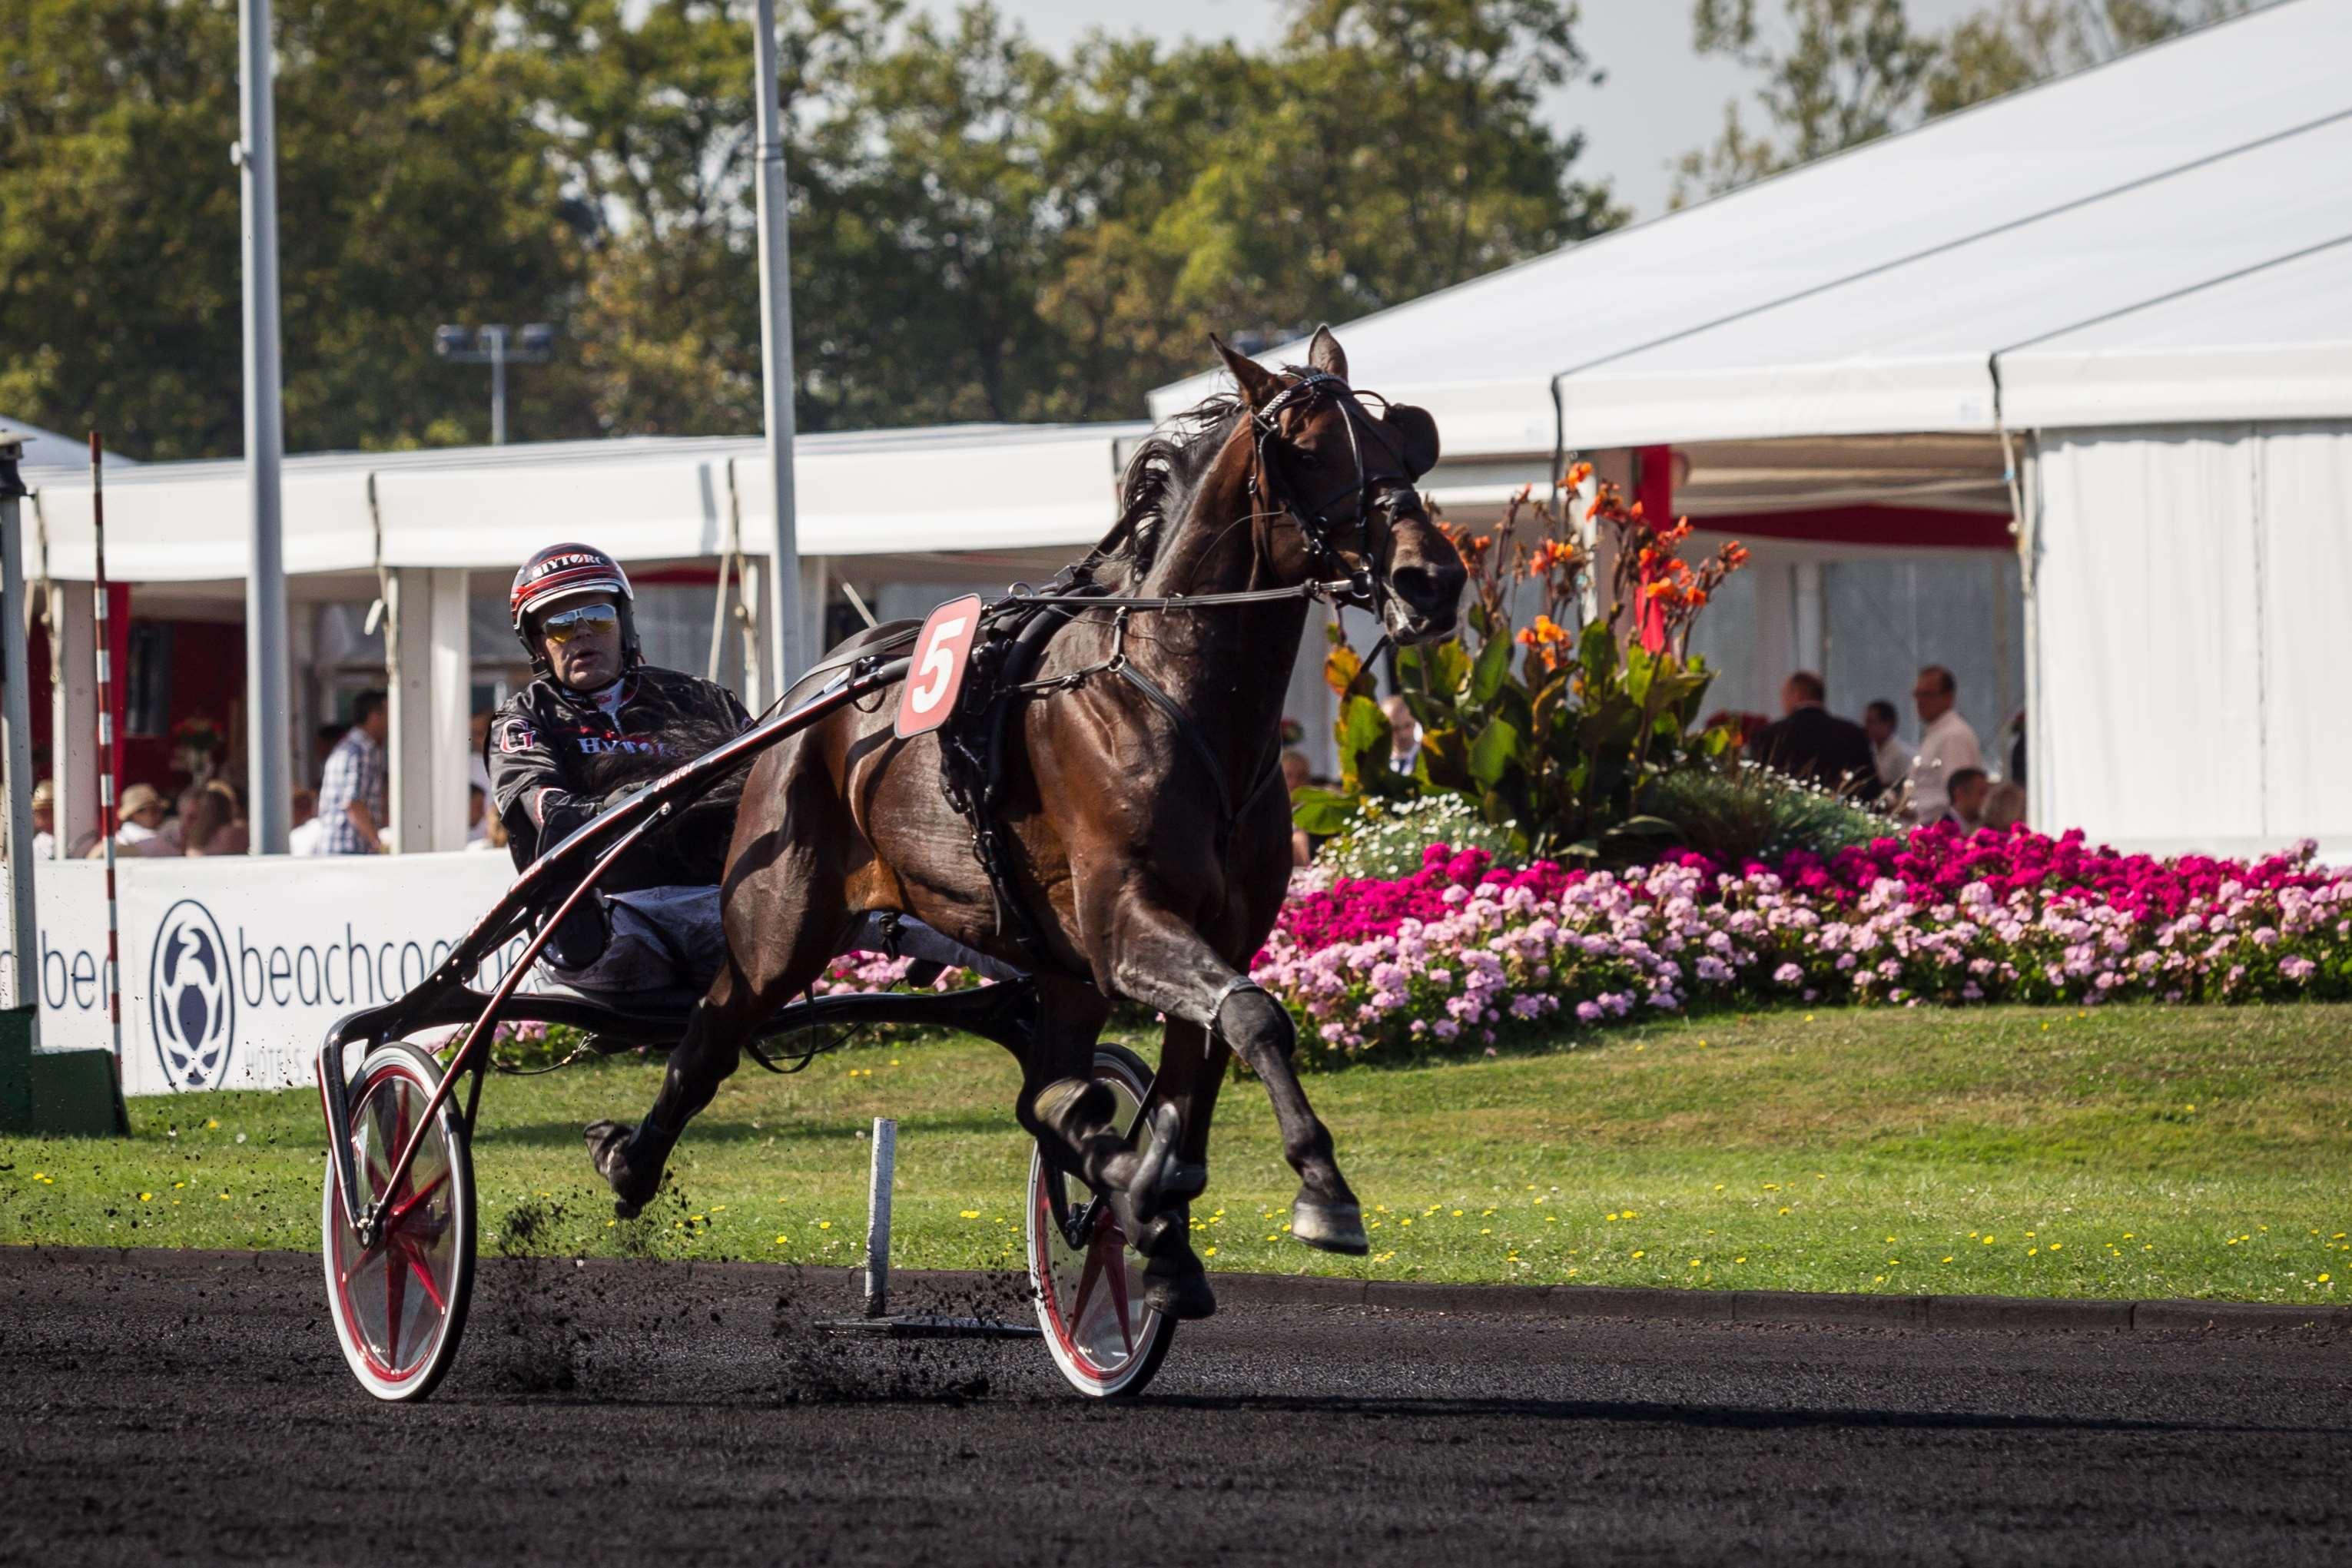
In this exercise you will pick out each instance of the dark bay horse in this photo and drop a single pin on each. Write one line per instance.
(1149, 872)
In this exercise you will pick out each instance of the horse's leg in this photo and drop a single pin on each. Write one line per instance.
(1191, 1062)
(1157, 959)
(784, 907)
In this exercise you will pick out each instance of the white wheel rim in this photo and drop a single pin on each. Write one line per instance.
(1089, 1301)
(393, 1303)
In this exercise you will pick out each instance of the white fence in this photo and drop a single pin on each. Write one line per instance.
(235, 967)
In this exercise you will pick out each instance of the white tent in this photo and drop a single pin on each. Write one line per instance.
(1488, 356)
(2141, 274)
(999, 489)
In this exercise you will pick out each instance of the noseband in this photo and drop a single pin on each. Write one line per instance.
(1315, 522)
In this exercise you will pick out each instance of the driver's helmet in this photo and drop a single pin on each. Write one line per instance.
(567, 572)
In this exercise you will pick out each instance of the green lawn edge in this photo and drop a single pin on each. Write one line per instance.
(2126, 1153)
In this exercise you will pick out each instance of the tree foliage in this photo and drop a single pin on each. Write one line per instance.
(1838, 73)
(982, 229)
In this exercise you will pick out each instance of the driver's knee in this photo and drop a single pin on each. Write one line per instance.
(1070, 1108)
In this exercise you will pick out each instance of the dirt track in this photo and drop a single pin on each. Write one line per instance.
(193, 1406)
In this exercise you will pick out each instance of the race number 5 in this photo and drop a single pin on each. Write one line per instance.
(937, 668)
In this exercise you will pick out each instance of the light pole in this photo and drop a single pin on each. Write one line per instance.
(269, 745)
(496, 345)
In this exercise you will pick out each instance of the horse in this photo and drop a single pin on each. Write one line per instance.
(1148, 856)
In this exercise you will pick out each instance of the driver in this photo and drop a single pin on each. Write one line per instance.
(597, 723)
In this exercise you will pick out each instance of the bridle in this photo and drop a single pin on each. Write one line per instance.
(1374, 498)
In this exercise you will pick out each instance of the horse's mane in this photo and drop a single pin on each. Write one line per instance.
(1160, 480)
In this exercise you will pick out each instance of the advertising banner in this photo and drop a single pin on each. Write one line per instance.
(234, 968)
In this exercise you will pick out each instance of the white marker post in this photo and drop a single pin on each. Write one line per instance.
(878, 1218)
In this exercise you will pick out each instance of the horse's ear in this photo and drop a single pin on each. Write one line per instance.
(1418, 432)
(1258, 384)
(1326, 355)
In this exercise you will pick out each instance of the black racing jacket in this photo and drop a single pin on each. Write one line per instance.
(557, 759)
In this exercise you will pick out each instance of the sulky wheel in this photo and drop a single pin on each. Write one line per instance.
(1089, 1286)
(399, 1306)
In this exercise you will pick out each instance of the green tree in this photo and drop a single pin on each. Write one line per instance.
(1848, 72)
(2017, 43)
(410, 192)
(1844, 72)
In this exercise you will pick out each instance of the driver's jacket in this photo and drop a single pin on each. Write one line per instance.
(557, 759)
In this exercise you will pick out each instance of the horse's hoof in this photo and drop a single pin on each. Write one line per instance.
(608, 1150)
(1185, 1296)
(1329, 1226)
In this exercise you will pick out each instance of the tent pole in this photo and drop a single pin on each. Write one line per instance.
(23, 945)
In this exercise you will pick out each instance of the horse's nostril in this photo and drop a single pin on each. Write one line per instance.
(1426, 588)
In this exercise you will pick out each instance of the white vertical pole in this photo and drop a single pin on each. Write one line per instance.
(16, 712)
(776, 343)
(268, 745)
(877, 1218)
(497, 336)
(1811, 641)
(73, 715)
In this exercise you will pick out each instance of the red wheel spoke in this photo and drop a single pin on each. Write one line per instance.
(1092, 1270)
(424, 1278)
(399, 1211)
(395, 1296)
(1109, 1239)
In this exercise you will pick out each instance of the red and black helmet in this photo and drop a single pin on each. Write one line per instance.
(567, 572)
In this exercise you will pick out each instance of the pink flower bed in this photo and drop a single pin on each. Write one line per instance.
(1460, 954)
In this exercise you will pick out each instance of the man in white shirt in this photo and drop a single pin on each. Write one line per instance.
(1404, 735)
(1947, 744)
(1888, 753)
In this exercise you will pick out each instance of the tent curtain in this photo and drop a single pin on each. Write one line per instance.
(2188, 584)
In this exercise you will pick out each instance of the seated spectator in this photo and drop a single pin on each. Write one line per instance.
(2005, 805)
(1948, 746)
(1812, 743)
(307, 828)
(1969, 789)
(1297, 776)
(44, 819)
(1888, 752)
(215, 825)
(1404, 734)
(478, 818)
(140, 829)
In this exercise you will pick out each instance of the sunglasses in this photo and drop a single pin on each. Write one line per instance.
(571, 623)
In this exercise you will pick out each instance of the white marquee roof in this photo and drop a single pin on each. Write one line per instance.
(1868, 292)
(912, 491)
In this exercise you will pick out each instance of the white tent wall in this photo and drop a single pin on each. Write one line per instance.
(2189, 589)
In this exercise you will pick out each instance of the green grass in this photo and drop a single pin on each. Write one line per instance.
(2129, 1152)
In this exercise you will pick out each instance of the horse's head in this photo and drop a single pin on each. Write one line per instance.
(1343, 479)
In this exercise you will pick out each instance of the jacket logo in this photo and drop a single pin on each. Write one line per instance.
(515, 735)
(591, 745)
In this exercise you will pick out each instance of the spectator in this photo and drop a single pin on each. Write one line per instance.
(1887, 751)
(1297, 773)
(477, 827)
(213, 823)
(353, 803)
(1404, 735)
(141, 830)
(45, 821)
(1810, 742)
(1947, 744)
(2005, 805)
(1969, 789)
(303, 839)
(322, 746)
(477, 729)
